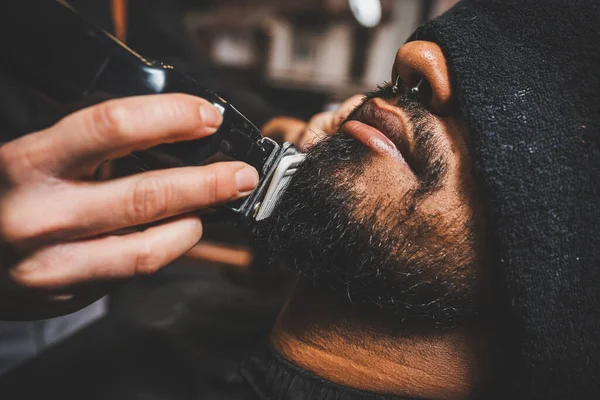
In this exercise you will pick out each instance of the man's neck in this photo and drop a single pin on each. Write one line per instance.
(330, 339)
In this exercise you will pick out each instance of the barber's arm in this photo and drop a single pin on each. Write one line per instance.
(58, 246)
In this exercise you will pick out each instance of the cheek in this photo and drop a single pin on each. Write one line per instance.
(384, 181)
(453, 143)
(451, 208)
(453, 202)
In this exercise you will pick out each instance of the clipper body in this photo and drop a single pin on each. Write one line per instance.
(48, 45)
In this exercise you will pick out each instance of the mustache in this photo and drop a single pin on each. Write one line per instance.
(410, 105)
(383, 91)
(428, 163)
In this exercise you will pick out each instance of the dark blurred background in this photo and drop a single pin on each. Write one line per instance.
(304, 55)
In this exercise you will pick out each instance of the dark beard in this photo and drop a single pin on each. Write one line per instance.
(405, 265)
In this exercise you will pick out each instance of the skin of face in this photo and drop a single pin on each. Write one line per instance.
(384, 211)
(384, 225)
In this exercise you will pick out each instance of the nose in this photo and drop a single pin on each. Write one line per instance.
(424, 60)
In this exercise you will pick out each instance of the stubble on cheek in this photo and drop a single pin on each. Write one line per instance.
(381, 190)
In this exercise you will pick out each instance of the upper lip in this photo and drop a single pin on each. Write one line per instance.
(388, 122)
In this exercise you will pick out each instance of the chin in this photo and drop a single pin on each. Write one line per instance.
(352, 223)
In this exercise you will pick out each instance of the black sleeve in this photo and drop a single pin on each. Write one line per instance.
(181, 336)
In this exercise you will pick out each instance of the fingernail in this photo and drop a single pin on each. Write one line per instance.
(246, 179)
(211, 117)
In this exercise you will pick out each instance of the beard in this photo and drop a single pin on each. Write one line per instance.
(380, 253)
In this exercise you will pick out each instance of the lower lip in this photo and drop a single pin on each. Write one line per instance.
(372, 138)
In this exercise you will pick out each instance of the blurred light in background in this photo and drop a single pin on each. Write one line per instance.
(366, 12)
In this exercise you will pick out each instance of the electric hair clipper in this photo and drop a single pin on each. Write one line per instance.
(47, 44)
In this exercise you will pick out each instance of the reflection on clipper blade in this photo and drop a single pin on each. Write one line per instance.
(281, 178)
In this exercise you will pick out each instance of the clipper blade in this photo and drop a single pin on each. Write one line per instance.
(281, 178)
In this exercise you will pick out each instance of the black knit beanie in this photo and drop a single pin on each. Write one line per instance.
(527, 78)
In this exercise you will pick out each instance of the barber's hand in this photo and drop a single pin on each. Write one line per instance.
(58, 246)
(303, 134)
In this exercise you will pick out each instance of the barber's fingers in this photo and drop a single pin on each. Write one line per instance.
(319, 126)
(81, 141)
(344, 110)
(90, 208)
(156, 195)
(325, 123)
(284, 129)
(108, 258)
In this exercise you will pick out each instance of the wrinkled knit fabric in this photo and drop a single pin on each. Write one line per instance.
(527, 78)
(273, 377)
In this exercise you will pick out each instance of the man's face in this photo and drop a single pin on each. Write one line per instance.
(384, 213)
